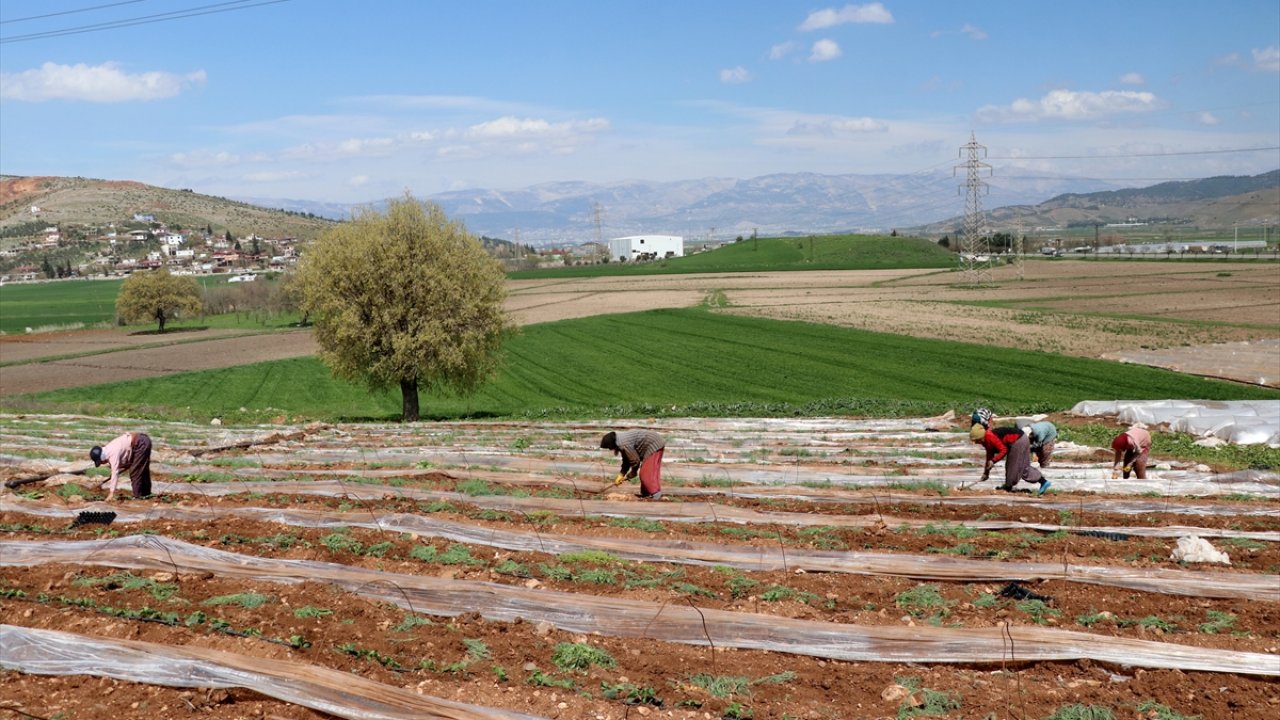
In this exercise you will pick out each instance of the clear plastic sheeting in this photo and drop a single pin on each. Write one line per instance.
(342, 694)
(1243, 422)
(745, 557)
(621, 617)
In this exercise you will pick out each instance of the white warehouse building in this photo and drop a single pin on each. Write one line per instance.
(646, 247)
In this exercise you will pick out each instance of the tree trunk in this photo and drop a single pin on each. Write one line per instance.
(160, 317)
(409, 393)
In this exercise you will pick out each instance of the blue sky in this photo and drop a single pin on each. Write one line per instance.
(355, 101)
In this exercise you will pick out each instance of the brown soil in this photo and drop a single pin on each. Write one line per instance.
(350, 633)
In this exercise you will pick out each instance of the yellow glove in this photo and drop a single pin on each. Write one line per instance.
(1115, 474)
(620, 479)
(1128, 468)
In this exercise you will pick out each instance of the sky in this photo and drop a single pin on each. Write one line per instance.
(343, 101)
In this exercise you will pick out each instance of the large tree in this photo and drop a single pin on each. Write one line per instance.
(157, 295)
(407, 297)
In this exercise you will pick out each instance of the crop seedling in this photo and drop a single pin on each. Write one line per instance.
(457, 554)
(580, 656)
(512, 568)
(129, 581)
(737, 711)
(1090, 619)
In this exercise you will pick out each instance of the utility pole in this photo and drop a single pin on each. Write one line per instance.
(595, 214)
(1019, 248)
(975, 249)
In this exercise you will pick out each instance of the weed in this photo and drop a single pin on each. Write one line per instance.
(339, 541)
(458, 555)
(580, 656)
(721, 686)
(1153, 622)
(1218, 622)
(638, 524)
(631, 694)
(1155, 711)
(437, 506)
(922, 599)
(474, 487)
(410, 622)
(1081, 712)
(555, 572)
(425, 553)
(986, 600)
(1244, 543)
(1038, 611)
(477, 649)
(72, 490)
(512, 568)
(590, 557)
(685, 588)
(597, 576)
(741, 585)
(311, 611)
(737, 711)
(543, 680)
(129, 581)
(960, 532)
(247, 600)
(1091, 618)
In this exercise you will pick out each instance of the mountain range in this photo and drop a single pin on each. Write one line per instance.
(780, 204)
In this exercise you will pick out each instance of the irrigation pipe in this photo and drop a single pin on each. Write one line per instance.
(343, 694)
(1242, 586)
(621, 617)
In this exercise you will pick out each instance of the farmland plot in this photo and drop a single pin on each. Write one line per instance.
(815, 568)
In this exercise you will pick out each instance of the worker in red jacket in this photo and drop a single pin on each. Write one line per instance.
(1014, 447)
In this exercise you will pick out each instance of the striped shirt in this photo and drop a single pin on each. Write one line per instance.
(636, 445)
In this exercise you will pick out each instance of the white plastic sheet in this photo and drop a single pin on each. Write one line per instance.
(621, 617)
(49, 652)
(1244, 422)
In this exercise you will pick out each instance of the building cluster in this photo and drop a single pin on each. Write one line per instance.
(116, 250)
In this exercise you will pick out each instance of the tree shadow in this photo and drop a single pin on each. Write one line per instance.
(169, 331)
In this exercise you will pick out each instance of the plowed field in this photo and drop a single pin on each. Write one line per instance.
(818, 568)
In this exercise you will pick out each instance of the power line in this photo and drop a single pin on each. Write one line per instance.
(144, 20)
(70, 12)
(1135, 155)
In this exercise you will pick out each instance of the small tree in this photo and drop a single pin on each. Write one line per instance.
(157, 295)
(406, 298)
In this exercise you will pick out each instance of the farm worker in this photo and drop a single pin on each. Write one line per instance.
(1132, 448)
(1043, 435)
(131, 452)
(1014, 447)
(641, 452)
(982, 416)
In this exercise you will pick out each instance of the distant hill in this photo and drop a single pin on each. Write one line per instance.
(1215, 202)
(97, 203)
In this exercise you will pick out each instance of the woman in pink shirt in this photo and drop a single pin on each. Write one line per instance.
(1132, 448)
(131, 452)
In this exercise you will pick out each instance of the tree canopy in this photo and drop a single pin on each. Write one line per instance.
(407, 297)
(157, 295)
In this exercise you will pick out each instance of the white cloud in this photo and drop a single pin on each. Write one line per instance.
(824, 50)
(735, 76)
(973, 32)
(1267, 59)
(1231, 59)
(1071, 105)
(1133, 78)
(830, 17)
(512, 127)
(1204, 117)
(358, 180)
(781, 50)
(831, 127)
(105, 83)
